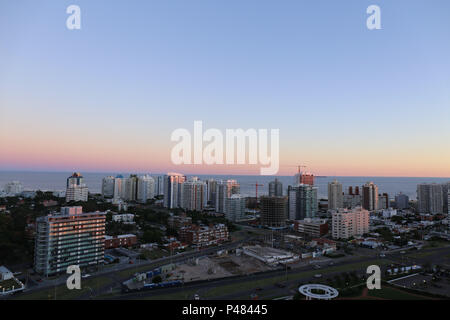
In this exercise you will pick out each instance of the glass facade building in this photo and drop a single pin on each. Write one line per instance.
(70, 237)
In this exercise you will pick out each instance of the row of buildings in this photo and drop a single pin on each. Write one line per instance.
(198, 236)
(73, 237)
(225, 198)
(195, 194)
(366, 196)
(433, 198)
(134, 188)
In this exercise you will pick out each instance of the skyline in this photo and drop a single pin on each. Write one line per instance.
(106, 98)
(193, 174)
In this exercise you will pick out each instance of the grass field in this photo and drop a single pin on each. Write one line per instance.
(62, 293)
(390, 293)
(249, 285)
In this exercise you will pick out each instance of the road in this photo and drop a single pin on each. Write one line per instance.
(112, 272)
(293, 277)
(271, 290)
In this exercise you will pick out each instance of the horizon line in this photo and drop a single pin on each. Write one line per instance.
(202, 174)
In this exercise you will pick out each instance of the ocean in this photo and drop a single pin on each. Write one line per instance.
(56, 181)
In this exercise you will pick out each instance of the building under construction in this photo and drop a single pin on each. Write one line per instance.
(274, 211)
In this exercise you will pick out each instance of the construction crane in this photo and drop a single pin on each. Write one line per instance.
(299, 167)
(256, 185)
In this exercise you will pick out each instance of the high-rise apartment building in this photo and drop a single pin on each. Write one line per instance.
(70, 237)
(235, 207)
(172, 189)
(193, 195)
(303, 202)
(275, 188)
(274, 211)
(369, 199)
(401, 201)
(335, 195)
(129, 188)
(211, 185)
(352, 198)
(347, 223)
(145, 188)
(224, 190)
(446, 196)
(159, 185)
(304, 178)
(430, 198)
(76, 190)
(13, 188)
(383, 201)
(108, 187)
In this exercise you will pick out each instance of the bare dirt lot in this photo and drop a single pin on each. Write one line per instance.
(218, 267)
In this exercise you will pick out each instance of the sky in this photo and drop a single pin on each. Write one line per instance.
(347, 100)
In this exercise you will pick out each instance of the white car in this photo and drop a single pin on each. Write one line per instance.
(85, 276)
(196, 297)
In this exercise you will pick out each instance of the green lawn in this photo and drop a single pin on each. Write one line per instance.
(420, 254)
(248, 285)
(390, 293)
(62, 293)
(182, 295)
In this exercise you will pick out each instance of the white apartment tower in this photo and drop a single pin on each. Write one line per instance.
(224, 190)
(369, 197)
(335, 195)
(76, 190)
(108, 187)
(145, 188)
(172, 189)
(349, 223)
(430, 198)
(193, 195)
(235, 208)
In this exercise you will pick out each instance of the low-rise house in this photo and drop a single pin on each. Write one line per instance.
(125, 240)
(203, 236)
(325, 245)
(126, 218)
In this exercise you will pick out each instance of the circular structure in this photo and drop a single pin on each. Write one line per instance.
(325, 292)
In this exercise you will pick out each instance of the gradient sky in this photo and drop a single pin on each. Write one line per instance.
(347, 100)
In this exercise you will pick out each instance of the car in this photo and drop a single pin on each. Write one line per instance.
(316, 266)
(331, 264)
(258, 289)
(86, 276)
(382, 255)
(280, 285)
(318, 276)
(196, 297)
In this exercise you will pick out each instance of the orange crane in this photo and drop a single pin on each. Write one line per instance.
(256, 185)
(299, 167)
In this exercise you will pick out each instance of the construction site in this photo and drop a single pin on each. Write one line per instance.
(244, 261)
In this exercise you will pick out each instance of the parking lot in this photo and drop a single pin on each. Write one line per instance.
(425, 282)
